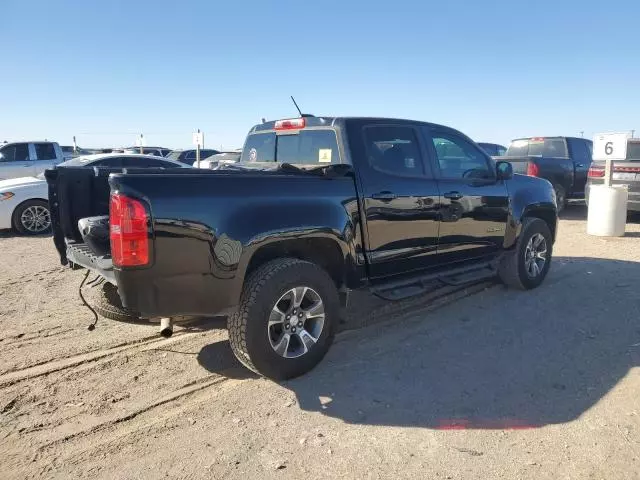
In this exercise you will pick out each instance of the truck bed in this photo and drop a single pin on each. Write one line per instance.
(205, 227)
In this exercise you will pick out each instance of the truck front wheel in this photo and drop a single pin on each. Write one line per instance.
(526, 266)
(285, 322)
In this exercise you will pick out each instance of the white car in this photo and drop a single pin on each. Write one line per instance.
(25, 159)
(24, 205)
(24, 202)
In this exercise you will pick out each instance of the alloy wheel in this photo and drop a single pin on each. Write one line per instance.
(296, 322)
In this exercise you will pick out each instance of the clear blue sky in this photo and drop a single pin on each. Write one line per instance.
(106, 71)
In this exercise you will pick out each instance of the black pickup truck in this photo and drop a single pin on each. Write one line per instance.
(316, 207)
(564, 161)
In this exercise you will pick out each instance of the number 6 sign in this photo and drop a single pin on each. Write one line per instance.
(610, 146)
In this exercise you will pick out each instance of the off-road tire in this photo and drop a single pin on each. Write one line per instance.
(512, 269)
(107, 303)
(248, 333)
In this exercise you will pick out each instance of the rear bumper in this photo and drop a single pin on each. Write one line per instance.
(142, 291)
(633, 203)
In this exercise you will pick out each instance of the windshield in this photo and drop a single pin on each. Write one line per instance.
(545, 147)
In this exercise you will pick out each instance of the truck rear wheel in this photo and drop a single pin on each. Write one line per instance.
(527, 265)
(285, 322)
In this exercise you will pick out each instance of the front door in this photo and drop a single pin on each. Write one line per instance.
(15, 161)
(474, 204)
(401, 200)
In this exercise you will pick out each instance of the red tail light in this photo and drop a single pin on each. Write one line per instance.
(290, 124)
(129, 234)
(596, 172)
(532, 169)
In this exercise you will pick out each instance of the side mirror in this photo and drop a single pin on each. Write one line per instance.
(504, 170)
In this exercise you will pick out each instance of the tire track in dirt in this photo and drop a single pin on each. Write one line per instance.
(46, 367)
(185, 391)
(14, 341)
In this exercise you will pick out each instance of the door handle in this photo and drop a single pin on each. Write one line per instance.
(453, 195)
(580, 165)
(384, 196)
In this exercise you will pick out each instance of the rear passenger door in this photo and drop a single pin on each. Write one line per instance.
(400, 199)
(474, 203)
(45, 157)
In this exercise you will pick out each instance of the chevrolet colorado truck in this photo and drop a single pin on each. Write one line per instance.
(316, 207)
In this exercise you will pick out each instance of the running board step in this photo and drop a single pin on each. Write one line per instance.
(407, 288)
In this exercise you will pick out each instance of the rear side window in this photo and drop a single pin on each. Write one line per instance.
(394, 149)
(45, 151)
(307, 147)
(18, 152)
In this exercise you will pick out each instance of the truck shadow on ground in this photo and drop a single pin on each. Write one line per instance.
(500, 359)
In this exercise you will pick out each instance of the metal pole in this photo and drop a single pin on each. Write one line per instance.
(75, 145)
(608, 167)
(141, 142)
(198, 151)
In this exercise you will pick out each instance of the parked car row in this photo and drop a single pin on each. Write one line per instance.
(24, 201)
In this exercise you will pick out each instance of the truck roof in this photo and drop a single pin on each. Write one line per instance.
(548, 136)
(313, 121)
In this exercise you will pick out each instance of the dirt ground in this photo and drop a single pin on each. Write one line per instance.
(482, 383)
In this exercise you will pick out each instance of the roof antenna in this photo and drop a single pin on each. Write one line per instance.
(297, 107)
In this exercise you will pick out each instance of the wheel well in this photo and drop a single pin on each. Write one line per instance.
(548, 216)
(323, 252)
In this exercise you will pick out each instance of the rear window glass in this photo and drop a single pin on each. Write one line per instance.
(546, 147)
(307, 147)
